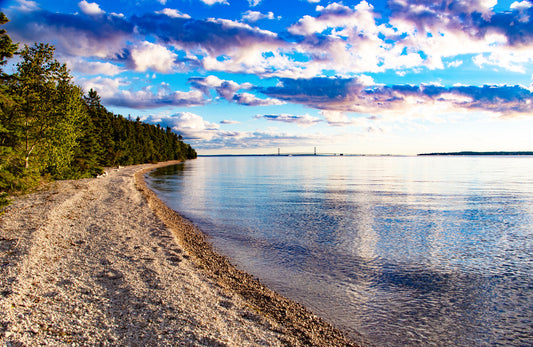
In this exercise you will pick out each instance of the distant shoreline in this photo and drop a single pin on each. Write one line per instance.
(471, 153)
(461, 153)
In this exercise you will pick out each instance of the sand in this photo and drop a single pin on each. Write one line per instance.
(104, 261)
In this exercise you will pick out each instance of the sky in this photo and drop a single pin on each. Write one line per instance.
(251, 76)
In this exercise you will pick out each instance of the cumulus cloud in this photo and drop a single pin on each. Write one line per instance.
(418, 33)
(253, 3)
(150, 56)
(224, 88)
(105, 86)
(254, 16)
(90, 8)
(348, 95)
(339, 38)
(226, 121)
(80, 65)
(521, 5)
(475, 19)
(146, 99)
(27, 5)
(349, 40)
(203, 134)
(189, 125)
(269, 138)
(228, 90)
(303, 121)
(509, 60)
(103, 36)
(248, 99)
(215, 44)
(212, 2)
(113, 94)
(172, 13)
(455, 63)
(206, 135)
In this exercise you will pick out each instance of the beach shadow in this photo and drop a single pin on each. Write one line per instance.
(137, 319)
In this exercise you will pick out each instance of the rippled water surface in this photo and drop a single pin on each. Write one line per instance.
(404, 250)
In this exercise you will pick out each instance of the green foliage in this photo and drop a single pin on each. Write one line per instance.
(46, 114)
(49, 128)
(7, 48)
(4, 201)
(123, 141)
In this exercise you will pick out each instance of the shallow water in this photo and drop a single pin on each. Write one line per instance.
(404, 250)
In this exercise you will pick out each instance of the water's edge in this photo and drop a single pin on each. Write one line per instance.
(300, 324)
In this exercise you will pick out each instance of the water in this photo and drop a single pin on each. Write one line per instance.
(404, 250)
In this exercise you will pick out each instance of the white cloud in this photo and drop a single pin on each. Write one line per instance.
(365, 80)
(145, 98)
(251, 100)
(148, 55)
(521, 5)
(455, 63)
(254, 16)
(90, 8)
(27, 5)
(112, 94)
(106, 87)
(80, 65)
(162, 2)
(511, 60)
(226, 121)
(173, 13)
(203, 134)
(254, 2)
(212, 2)
(303, 121)
(225, 88)
(191, 126)
(340, 119)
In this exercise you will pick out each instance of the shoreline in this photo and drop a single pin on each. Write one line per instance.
(104, 261)
(306, 327)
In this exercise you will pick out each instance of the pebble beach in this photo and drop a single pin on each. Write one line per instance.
(103, 261)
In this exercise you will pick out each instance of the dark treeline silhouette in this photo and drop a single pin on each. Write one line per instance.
(467, 153)
(115, 140)
(49, 128)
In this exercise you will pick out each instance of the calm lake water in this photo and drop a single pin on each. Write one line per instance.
(403, 250)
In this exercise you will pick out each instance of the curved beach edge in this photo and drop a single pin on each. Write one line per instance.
(300, 326)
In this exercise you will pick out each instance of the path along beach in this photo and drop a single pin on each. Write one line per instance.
(104, 261)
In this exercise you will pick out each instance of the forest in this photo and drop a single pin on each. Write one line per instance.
(50, 129)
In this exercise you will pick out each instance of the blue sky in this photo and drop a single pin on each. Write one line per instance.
(252, 76)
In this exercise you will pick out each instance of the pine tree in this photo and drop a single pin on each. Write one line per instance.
(49, 112)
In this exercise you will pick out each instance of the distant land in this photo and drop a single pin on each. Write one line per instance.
(480, 153)
(464, 153)
(300, 155)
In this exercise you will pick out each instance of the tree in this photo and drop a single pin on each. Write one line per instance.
(7, 47)
(49, 109)
(7, 104)
(47, 125)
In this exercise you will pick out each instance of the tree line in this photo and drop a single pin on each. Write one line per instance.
(50, 128)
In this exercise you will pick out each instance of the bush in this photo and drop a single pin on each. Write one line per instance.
(4, 201)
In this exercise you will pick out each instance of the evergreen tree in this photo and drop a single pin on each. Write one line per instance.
(7, 47)
(49, 111)
(47, 125)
